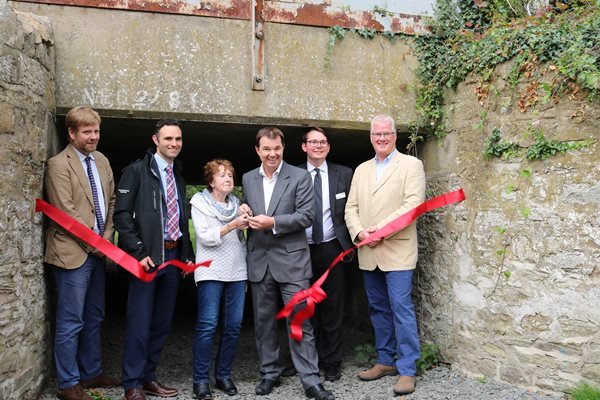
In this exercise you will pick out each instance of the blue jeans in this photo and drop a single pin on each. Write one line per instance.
(393, 317)
(214, 297)
(79, 314)
(150, 308)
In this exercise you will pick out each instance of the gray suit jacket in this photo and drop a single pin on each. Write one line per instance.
(286, 253)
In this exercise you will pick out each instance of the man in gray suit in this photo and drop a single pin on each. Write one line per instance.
(278, 198)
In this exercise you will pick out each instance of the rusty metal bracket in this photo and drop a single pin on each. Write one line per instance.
(258, 46)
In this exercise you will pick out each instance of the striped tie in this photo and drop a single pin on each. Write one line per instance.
(97, 210)
(173, 231)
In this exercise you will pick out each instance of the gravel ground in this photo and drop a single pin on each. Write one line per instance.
(175, 370)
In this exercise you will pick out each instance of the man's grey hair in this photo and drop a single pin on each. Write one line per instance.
(383, 118)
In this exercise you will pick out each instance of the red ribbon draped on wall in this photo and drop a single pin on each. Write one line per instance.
(315, 294)
(105, 247)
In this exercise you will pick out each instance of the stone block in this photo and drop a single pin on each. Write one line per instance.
(7, 118)
(591, 372)
(33, 76)
(578, 327)
(536, 323)
(9, 69)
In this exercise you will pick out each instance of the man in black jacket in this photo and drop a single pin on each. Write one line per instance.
(152, 223)
(328, 237)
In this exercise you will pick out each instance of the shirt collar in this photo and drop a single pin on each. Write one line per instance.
(81, 155)
(387, 159)
(322, 168)
(261, 171)
(161, 162)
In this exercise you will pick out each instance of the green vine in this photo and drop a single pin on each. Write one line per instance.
(540, 149)
(335, 33)
(474, 36)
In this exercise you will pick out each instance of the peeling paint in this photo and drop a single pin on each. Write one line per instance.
(315, 13)
(324, 15)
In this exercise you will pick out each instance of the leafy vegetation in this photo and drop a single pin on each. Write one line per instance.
(335, 33)
(540, 149)
(585, 391)
(475, 36)
(365, 354)
(97, 394)
(430, 357)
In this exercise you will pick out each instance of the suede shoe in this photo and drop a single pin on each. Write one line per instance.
(202, 391)
(266, 386)
(136, 393)
(318, 392)
(377, 371)
(405, 385)
(73, 393)
(155, 388)
(101, 381)
(227, 386)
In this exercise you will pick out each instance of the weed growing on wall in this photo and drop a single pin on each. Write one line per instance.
(430, 357)
(540, 149)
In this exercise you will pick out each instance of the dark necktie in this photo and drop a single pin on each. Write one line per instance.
(172, 207)
(97, 210)
(317, 231)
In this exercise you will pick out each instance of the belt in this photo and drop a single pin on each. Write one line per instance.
(172, 244)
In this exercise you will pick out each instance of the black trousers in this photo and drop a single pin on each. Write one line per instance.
(329, 315)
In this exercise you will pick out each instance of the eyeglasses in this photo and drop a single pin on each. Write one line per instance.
(315, 143)
(382, 135)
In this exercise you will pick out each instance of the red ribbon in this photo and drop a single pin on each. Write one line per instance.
(105, 247)
(315, 294)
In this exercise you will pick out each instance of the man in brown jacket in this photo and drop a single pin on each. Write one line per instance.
(79, 181)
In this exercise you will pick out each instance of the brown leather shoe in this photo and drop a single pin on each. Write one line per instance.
(156, 389)
(101, 381)
(377, 371)
(73, 393)
(405, 385)
(136, 393)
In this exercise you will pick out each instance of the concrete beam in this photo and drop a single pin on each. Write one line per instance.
(147, 65)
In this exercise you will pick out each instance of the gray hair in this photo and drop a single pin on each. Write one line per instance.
(383, 118)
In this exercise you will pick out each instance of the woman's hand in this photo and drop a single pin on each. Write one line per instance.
(245, 210)
(242, 221)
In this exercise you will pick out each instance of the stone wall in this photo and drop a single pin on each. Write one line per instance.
(531, 316)
(26, 122)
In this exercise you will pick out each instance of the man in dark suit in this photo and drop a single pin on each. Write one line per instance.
(152, 222)
(278, 199)
(327, 237)
(79, 181)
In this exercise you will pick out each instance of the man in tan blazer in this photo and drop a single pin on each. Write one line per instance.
(79, 181)
(382, 189)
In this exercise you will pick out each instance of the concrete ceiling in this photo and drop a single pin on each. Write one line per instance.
(124, 140)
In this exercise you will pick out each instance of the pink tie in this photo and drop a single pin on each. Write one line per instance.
(172, 208)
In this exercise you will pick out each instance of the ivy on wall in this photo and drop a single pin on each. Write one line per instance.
(474, 36)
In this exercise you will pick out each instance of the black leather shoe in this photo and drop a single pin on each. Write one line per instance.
(318, 392)
(333, 374)
(266, 386)
(227, 386)
(202, 391)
